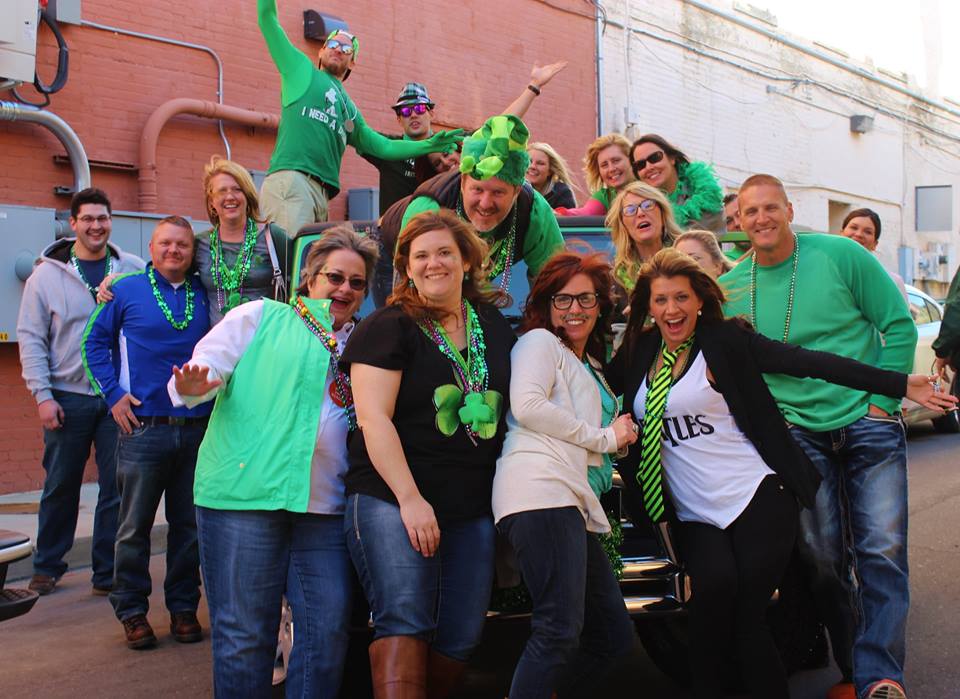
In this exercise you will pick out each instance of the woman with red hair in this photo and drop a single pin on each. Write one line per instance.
(561, 428)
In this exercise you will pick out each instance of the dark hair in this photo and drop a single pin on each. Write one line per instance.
(339, 237)
(863, 213)
(680, 160)
(554, 275)
(90, 195)
(665, 264)
(730, 197)
(475, 287)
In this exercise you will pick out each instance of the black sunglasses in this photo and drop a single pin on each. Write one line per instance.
(562, 302)
(651, 159)
(337, 279)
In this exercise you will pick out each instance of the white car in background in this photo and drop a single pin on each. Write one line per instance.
(927, 314)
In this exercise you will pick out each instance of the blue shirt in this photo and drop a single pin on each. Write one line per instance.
(130, 347)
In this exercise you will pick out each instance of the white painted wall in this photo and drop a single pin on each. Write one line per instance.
(748, 103)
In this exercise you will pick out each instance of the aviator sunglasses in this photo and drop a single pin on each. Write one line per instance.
(337, 280)
(651, 159)
(345, 49)
(412, 109)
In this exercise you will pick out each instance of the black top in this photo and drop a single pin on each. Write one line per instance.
(93, 271)
(560, 195)
(738, 357)
(398, 178)
(453, 475)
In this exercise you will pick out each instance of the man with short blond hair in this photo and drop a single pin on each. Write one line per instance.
(129, 347)
(825, 292)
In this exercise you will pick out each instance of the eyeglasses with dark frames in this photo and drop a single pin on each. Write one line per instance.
(631, 210)
(563, 302)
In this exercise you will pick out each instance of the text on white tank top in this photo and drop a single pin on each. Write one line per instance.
(711, 467)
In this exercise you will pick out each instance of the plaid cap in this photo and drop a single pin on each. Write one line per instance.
(413, 93)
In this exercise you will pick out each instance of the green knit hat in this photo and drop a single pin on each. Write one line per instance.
(497, 149)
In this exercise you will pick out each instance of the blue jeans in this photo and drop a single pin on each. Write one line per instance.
(250, 559)
(443, 599)
(86, 421)
(152, 462)
(580, 624)
(859, 523)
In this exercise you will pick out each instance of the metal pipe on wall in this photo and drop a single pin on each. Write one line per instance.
(151, 135)
(175, 42)
(13, 111)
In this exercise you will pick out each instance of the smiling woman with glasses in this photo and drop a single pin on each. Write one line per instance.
(691, 187)
(562, 428)
(269, 483)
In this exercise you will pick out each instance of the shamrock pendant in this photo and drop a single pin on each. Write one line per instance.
(479, 412)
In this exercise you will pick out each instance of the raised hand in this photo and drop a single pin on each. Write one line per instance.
(541, 75)
(193, 380)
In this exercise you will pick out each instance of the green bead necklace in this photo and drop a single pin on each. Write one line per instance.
(75, 261)
(229, 282)
(165, 309)
(790, 297)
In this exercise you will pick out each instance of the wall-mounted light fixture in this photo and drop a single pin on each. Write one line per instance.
(861, 123)
(317, 25)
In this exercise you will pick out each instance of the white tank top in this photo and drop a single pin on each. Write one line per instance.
(711, 467)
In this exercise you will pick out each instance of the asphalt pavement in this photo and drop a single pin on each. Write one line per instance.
(71, 645)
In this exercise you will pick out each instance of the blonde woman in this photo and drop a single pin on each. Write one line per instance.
(703, 247)
(607, 167)
(641, 224)
(242, 258)
(548, 174)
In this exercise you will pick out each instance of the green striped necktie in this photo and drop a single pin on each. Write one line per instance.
(650, 473)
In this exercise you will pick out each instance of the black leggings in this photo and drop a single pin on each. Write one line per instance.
(733, 573)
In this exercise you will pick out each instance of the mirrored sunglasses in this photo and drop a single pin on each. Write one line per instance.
(406, 111)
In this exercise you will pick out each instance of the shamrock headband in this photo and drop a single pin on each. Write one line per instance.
(497, 149)
(353, 40)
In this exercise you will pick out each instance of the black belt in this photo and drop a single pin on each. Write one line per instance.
(331, 192)
(154, 420)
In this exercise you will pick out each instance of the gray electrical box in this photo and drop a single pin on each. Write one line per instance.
(18, 40)
(363, 204)
(65, 11)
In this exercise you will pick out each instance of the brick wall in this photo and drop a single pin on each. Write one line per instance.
(474, 60)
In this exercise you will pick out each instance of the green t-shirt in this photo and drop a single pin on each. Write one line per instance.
(318, 119)
(845, 303)
(542, 239)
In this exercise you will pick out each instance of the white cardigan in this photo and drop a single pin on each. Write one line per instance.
(553, 433)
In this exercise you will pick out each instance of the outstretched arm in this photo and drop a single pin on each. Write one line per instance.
(539, 76)
(294, 65)
(366, 141)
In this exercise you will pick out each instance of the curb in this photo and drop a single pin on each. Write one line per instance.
(78, 557)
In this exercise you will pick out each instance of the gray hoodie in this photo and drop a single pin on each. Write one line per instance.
(53, 314)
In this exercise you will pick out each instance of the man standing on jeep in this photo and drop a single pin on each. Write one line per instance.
(856, 440)
(491, 192)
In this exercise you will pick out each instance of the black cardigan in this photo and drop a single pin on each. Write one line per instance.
(738, 357)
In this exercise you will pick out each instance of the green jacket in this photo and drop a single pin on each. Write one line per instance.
(257, 452)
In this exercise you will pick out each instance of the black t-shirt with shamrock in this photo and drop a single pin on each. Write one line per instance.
(452, 474)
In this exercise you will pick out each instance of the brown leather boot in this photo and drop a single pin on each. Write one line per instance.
(398, 666)
(443, 675)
